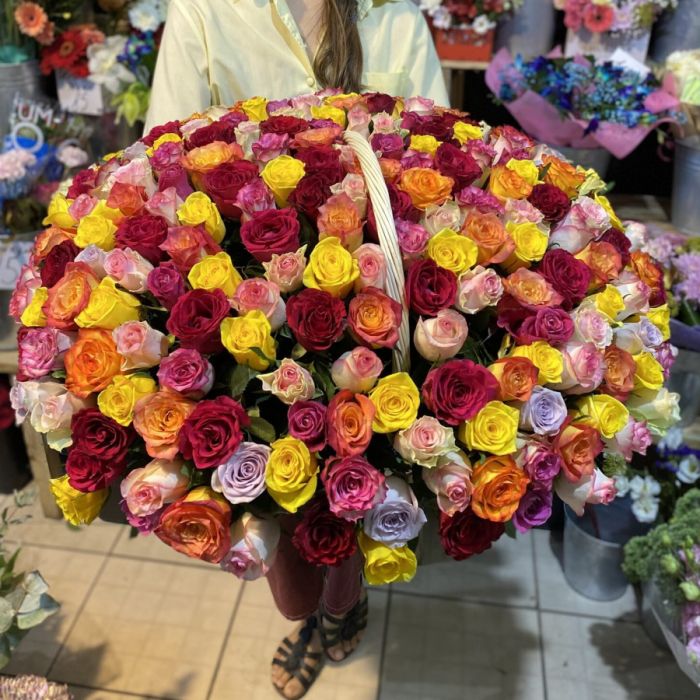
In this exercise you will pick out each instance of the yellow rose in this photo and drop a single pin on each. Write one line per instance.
(94, 229)
(199, 209)
(57, 214)
(205, 158)
(291, 473)
(527, 170)
(243, 335)
(609, 302)
(453, 251)
(649, 373)
(282, 175)
(464, 132)
(255, 109)
(605, 203)
(331, 268)
(660, 316)
(424, 144)
(396, 401)
(215, 272)
(530, 244)
(33, 315)
(492, 430)
(78, 508)
(548, 360)
(335, 114)
(605, 413)
(108, 307)
(101, 209)
(166, 138)
(118, 399)
(384, 564)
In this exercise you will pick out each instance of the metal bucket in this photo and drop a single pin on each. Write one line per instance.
(17, 78)
(596, 158)
(675, 30)
(685, 203)
(529, 31)
(651, 601)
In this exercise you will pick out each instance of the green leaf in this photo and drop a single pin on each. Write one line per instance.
(510, 530)
(263, 429)
(298, 351)
(59, 374)
(325, 380)
(240, 378)
(34, 583)
(5, 652)
(47, 608)
(7, 615)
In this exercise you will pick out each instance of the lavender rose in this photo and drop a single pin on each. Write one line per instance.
(398, 518)
(353, 487)
(187, 372)
(253, 547)
(544, 412)
(241, 479)
(534, 508)
(307, 422)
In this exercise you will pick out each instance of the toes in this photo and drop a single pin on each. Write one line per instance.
(336, 653)
(282, 679)
(293, 689)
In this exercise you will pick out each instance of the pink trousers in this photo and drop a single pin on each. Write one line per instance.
(300, 588)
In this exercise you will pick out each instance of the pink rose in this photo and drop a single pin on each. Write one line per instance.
(357, 370)
(263, 295)
(635, 295)
(136, 172)
(584, 368)
(372, 263)
(634, 437)
(413, 239)
(383, 123)
(253, 547)
(187, 372)
(473, 197)
(425, 441)
(255, 196)
(24, 396)
(52, 417)
(94, 257)
(41, 351)
(358, 119)
(247, 133)
(591, 488)
(165, 204)
(139, 345)
(168, 153)
(419, 105)
(520, 211)
(286, 270)
(147, 489)
(590, 326)
(353, 186)
(353, 486)
(437, 218)
(28, 282)
(270, 146)
(441, 337)
(451, 482)
(585, 221)
(128, 268)
(82, 205)
(479, 288)
(290, 382)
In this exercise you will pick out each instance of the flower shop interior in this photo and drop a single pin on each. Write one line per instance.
(381, 387)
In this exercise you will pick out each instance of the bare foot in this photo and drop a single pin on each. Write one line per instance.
(343, 635)
(297, 661)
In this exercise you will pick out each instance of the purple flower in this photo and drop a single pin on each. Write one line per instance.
(540, 463)
(666, 355)
(534, 508)
(241, 479)
(166, 284)
(143, 523)
(544, 412)
(484, 202)
(398, 518)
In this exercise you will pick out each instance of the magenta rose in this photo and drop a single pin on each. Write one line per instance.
(196, 317)
(175, 176)
(389, 145)
(271, 232)
(569, 276)
(166, 284)
(458, 165)
(547, 323)
(41, 351)
(187, 372)
(353, 486)
(430, 288)
(307, 422)
(535, 508)
(551, 201)
(224, 182)
(144, 234)
(379, 102)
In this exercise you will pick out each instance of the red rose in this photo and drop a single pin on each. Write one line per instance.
(464, 534)
(271, 231)
(430, 288)
(551, 201)
(87, 472)
(213, 432)
(311, 192)
(283, 125)
(458, 390)
(323, 539)
(83, 183)
(157, 131)
(322, 159)
(143, 234)
(569, 276)
(316, 318)
(307, 422)
(223, 183)
(196, 318)
(56, 261)
(100, 436)
(439, 126)
(7, 413)
(175, 176)
(378, 102)
(620, 242)
(216, 131)
(458, 165)
(389, 145)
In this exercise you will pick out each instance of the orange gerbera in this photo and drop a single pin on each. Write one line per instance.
(31, 18)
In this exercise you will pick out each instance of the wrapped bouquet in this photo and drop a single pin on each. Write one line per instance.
(347, 307)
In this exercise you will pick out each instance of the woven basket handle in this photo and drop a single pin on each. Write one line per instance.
(388, 241)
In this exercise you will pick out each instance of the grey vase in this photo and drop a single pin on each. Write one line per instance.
(530, 30)
(676, 30)
(18, 79)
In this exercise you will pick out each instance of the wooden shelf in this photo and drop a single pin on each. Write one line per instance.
(464, 65)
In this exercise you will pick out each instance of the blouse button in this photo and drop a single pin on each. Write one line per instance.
(310, 81)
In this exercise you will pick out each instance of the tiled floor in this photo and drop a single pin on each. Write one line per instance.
(139, 621)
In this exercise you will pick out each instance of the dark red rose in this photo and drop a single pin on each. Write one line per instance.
(307, 422)
(271, 231)
(175, 176)
(325, 159)
(465, 534)
(157, 131)
(83, 183)
(311, 192)
(143, 234)
(323, 539)
(458, 390)
(56, 261)
(234, 118)
(283, 125)
(87, 472)
(196, 317)
(569, 276)
(379, 102)
(551, 201)
(7, 413)
(95, 433)
(166, 284)
(430, 288)
(437, 125)
(551, 324)
(458, 165)
(401, 206)
(389, 145)
(316, 318)
(216, 131)
(511, 315)
(620, 242)
(213, 432)
(223, 183)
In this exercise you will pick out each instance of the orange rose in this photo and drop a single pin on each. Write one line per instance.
(604, 261)
(198, 525)
(425, 186)
(391, 169)
(374, 318)
(578, 445)
(489, 234)
(620, 368)
(317, 137)
(205, 158)
(47, 240)
(69, 296)
(349, 420)
(158, 419)
(649, 272)
(517, 376)
(531, 289)
(339, 217)
(505, 183)
(563, 175)
(499, 484)
(91, 362)
(128, 199)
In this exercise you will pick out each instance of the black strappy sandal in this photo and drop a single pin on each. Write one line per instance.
(344, 628)
(294, 655)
